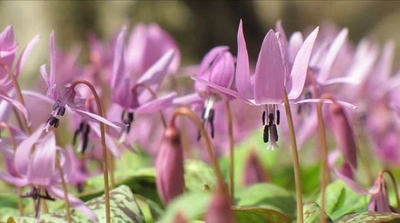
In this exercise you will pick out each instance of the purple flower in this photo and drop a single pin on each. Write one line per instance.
(217, 67)
(37, 168)
(146, 45)
(62, 98)
(133, 92)
(273, 74)
(379, 201)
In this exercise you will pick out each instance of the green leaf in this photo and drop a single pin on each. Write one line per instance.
(198, 173)
(340, 200)
(123, 208)
(370, 217)
(192, 205)
(257, 214)
(269, 196)
(312, 213)
(140, 181)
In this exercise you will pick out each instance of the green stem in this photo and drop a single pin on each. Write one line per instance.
(103, 146)
(296, 163)
(324, 158)
(187, 112)
(231, 152)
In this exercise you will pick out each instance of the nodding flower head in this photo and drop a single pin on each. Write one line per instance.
(217, 67)
(169, 166)
(273, 74)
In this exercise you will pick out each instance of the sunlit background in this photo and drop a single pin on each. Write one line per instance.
(197, 26)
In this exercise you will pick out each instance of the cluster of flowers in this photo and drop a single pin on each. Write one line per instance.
(125, 77)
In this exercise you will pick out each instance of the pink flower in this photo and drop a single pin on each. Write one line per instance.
(37, 169)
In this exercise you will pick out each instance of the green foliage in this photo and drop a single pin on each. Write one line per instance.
(340, 200)
(268, 196)
(123, 208)
(257, 214)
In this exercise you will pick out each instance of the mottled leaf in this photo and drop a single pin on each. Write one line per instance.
(257, 214)
(312, 213)
(123, 208)
(370, 217)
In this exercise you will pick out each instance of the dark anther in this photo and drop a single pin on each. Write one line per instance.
(56, 122)
(61, 111)
(208, 119)
(47, 196)
(77, 132)
(55, 106)
(278, 117)
(49, 118)
(263, 117)
(80, 187)
(270, 119)
(85, 140)
(266, 133)
(299, 109)
(274, 132)
(127, 119)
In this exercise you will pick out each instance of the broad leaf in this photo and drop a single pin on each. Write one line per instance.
(197, 174)
(312, 213)
(123, 208)
(268, 196)
(370, 217)
(340, 200)
(256, 214)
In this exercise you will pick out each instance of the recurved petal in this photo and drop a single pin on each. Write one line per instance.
(270, 72)
(52, 77)
(21, 159)
(300, 66)
(156, 104)
(330, 58)
(243, 84)
(42, 164)
(119, 60)
(155, 74)
(24, 55)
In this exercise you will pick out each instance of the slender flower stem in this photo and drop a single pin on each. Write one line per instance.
(153, 95)
(324, 159)
(103, 145)
(187, 112)
(394, 185)
(19, 93)
(296, 163)
(231, 152)
(65, 189)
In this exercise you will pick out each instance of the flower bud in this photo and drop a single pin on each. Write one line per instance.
(169, 166)
(379, 201)
(217, 67)
(254, 172)
(343, 134)
(219, 210)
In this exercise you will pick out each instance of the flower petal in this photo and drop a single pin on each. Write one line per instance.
(300, 66)
(243, 83)
(25, 53)
(119, 61)
(270, 72)
(21, 159)
(333, 52)
(42, 164)
(156, 104)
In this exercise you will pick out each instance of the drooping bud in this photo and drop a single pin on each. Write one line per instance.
(379, 201)
(169, 166)
(219, 210)
(254, 172)
(343, 134)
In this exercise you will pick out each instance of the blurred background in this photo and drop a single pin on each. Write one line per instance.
(197, 26)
